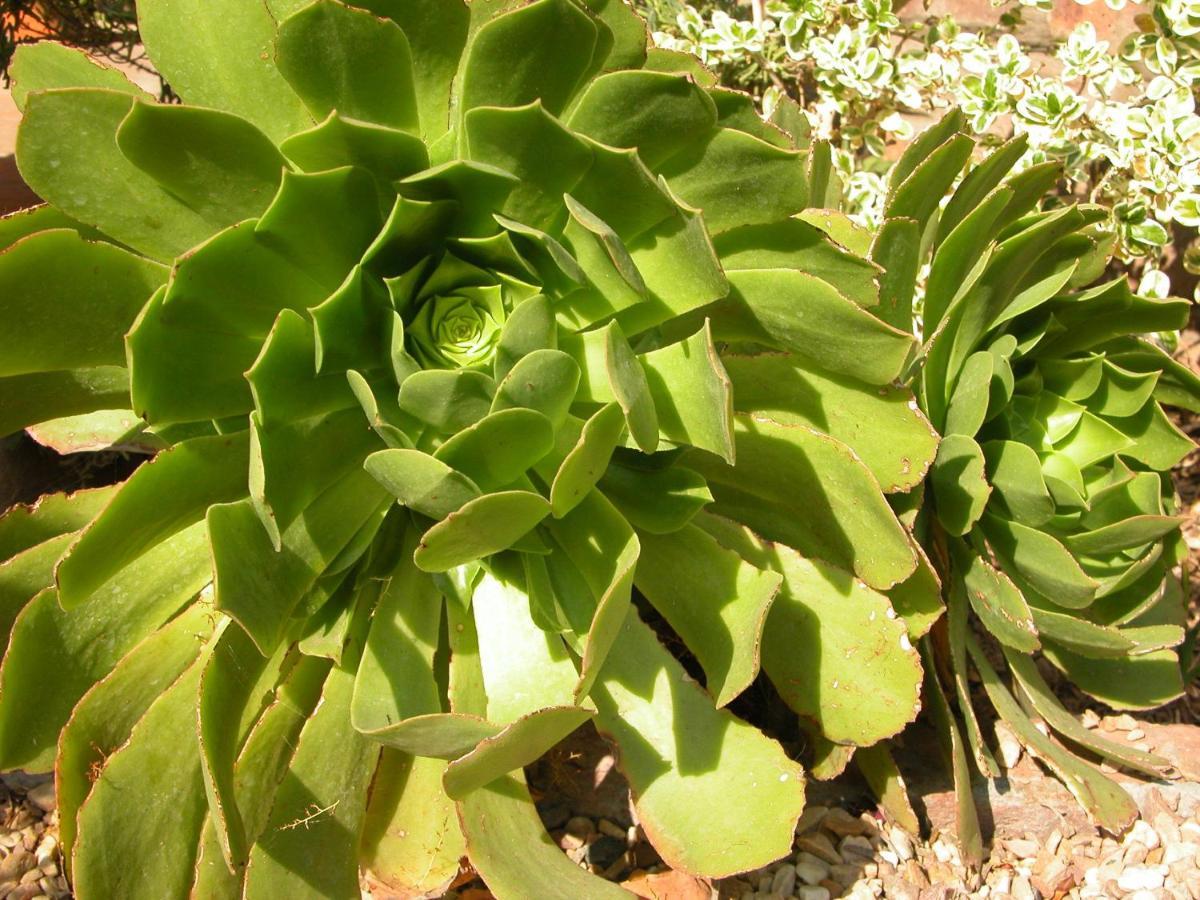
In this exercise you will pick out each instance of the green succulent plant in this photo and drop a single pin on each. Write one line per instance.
(452, 328)
(1049, 511)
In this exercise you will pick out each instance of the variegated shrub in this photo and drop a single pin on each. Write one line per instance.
(451, 327)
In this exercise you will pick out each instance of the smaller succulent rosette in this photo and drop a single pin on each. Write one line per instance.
(1050, 509)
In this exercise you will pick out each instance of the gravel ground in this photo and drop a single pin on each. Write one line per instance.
(30, 864)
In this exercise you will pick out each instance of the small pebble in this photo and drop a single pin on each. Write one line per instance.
(841, 823)
(819, 845)
(1135, 735)
(1141, 878)
(784, 882)
(856, 845)
(42, 796)
(1143, 834)
(813, 892)
(900, 842)
(811, 871)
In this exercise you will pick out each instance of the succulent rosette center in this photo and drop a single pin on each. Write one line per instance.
(457, 330)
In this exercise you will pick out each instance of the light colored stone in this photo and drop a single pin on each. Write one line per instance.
(900, 842)
(1022, 889)
(1141, 878)
(855, 845)
(42, 796)
(1022, 849)
(1090, 719)
(811, 818)
(1143, 834)
(819, 845)
(813, 892)
(841, 823)
(1136, 735)
(784, 882)
(811, 870)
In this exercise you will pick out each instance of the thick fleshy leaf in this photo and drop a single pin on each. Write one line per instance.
(610, 371)
(533, 145)
(261, 587)
(127, 204)
(657, 113)
(587, 461)
(388, 153)
(715, 600)
(412, 841)
(693, 397)
(795, 244)
(1049, 708)
(104, 717)
(155, 791)
(337, 57)
(544, 381)
(959, 485)
(656, 500)
(447, 400)
(166, 495)
(221, 166)
(1134, 682)
(189, 40)
(1106, 802)
(44, 280)
(47, 64)
(421, 482)
(500, 447)
(864, 347)
(1000, 606)
(970, 840)
(538, 52)
(883, 426)
(483, 526)
(261, 765)
(23, 527)
(681, 787)
(1015, 471)
(781, 468)
(44, 396)
(1042, 561)
(321, 802)
(64, 654)
(602, 551)
(736, 179)
(834, 649)
(501, 816)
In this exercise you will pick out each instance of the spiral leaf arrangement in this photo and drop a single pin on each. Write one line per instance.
(454, 329)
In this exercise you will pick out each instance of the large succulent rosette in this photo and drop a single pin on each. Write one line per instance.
(455, 329)
(1050, 509)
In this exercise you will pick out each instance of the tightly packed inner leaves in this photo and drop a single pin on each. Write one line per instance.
(486, 354)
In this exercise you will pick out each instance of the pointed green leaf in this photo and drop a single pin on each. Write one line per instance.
(538, 52)
(1041, 560)
(483, 526)
(716, 602)
(127, 204)
(64, 654)
(834, 649)
(337, 57)
(154, 791)
(221, 166)
(171, 492)
(681, 787)
(47, 64)
(736, 179)
(221, 53)
(587, 462)
(261, 587)
(833, 333)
